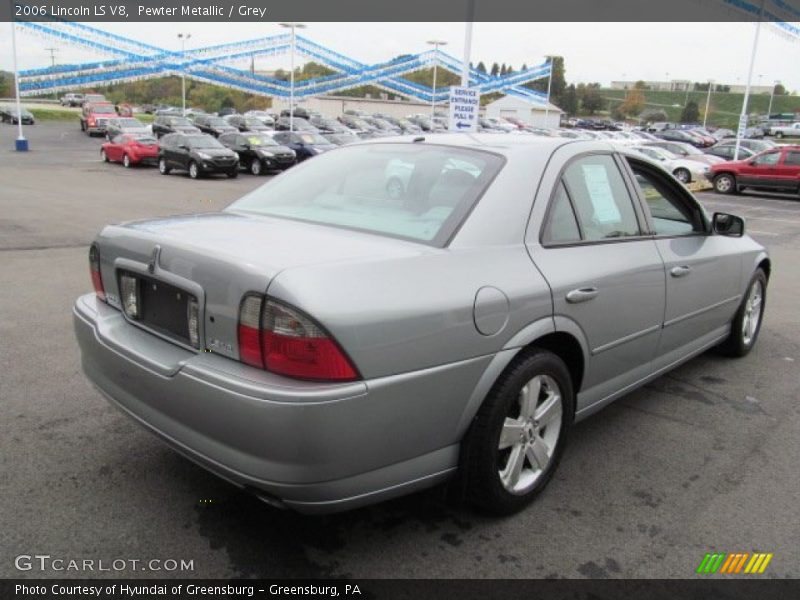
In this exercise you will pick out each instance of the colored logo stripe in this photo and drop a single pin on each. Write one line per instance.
(758, 564)
(733, 563)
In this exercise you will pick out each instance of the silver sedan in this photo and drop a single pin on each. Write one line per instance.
(398, 313)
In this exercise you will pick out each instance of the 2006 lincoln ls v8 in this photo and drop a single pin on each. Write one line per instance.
(396, 312)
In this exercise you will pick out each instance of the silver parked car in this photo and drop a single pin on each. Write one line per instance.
(330, 341)
(120, 125)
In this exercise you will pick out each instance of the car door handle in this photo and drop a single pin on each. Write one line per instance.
(682, 271)
(582, 295)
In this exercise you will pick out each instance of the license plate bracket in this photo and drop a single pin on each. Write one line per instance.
(164, 307)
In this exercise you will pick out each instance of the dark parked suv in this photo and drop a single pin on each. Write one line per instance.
(215, 126)
(258, 152)
(163, 125)
(198, 154)
(245, 123)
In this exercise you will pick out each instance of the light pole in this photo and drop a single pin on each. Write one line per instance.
(183, 37)
(772, 96)
(292, 26)
(549, 87)
(708, 102)
(21, 143)
(435, 44)
(467, 47)
(743, 117)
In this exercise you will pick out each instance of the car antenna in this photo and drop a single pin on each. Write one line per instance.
(418, 139)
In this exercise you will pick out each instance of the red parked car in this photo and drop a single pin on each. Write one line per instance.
(776, 169)
(131, 149)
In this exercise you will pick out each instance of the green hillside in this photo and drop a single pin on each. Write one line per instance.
(725, 107)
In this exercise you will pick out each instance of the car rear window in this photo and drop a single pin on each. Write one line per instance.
(410, 191)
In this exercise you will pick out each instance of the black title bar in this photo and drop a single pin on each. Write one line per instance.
(701, 588)
(401, 10)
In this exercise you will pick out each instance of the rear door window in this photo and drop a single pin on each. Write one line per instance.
(561, 226)
(600, 197)
(792, 158)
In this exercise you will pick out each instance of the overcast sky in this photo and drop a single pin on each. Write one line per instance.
(592, 51)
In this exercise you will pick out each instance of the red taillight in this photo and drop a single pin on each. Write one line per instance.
(94, 270)
(282, 340)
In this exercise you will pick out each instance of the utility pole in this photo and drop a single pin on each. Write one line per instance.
(708, 102)
(775, 84)
(743, 117)
(183, 37)
(52, 52)
(436, 44)
(21, 143)
(293, 27)
(549, 87)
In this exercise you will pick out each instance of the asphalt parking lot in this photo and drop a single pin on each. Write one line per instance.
(702, 459)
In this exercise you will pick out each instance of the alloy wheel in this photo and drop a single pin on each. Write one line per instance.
(682, 175)
(529, 434)
(752, 312)
(723, 183)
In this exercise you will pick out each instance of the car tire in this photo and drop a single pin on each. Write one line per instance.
(725, 183)
(256, 167)
(779, 135)
(83, 127)
(126, 161)
(746, 324)
(103, 156)
(194, 170)
(162, 166)
(503, 473)
(233, 174)
(682, 175)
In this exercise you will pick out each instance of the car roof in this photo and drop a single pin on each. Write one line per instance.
(500, 144)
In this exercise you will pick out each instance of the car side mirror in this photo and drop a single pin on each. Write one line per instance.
(730, 225)
(183, 147)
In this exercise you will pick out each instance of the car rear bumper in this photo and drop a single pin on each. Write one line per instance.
(310, 446)
(146, 159)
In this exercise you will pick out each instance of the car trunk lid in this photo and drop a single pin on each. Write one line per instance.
(216, 259)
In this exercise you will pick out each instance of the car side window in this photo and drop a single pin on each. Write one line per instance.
(600, 198)
(120, 139)
(771, 158)
(561, 226)
(671, 216)
(792, 159)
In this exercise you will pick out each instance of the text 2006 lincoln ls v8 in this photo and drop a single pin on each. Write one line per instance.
(396, 313)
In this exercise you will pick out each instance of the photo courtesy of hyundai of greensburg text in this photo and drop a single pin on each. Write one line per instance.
(395, 300)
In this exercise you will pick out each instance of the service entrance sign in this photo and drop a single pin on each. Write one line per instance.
(464, 104)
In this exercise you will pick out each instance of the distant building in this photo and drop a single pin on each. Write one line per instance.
(683, 85)
(532, 113)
